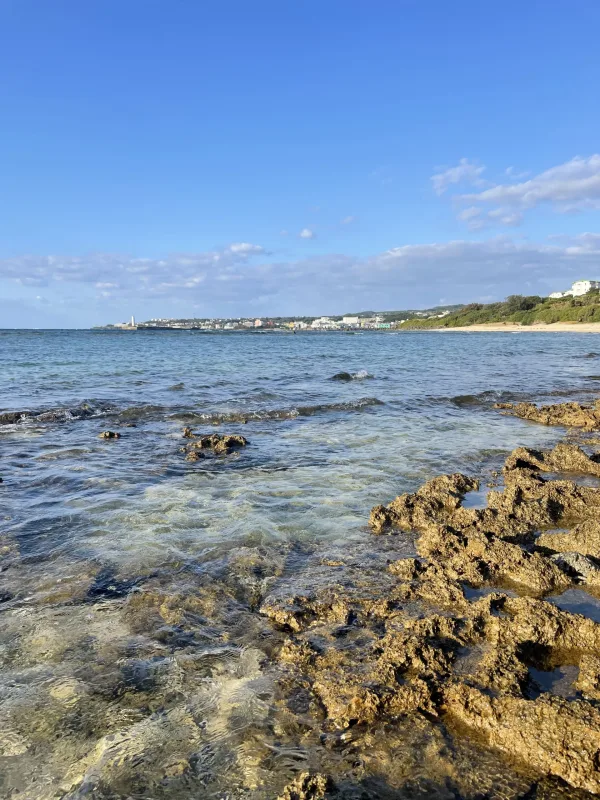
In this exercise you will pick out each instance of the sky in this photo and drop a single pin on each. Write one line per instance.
(174, 158)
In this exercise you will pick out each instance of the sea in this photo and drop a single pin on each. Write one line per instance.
(134, 658)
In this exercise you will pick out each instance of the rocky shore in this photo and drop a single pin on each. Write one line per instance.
(440, 657)
(470, 632)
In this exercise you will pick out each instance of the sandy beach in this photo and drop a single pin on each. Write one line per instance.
(512, 327)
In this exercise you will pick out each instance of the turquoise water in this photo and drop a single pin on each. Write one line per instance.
(89, 525)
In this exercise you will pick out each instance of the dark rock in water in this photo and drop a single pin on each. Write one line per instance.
(220, 444)
(12, 417)
(194, 455)
(107, 586)
(109, 435)
(177, 387)
(341, 376)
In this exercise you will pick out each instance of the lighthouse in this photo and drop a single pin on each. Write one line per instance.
(132, 323)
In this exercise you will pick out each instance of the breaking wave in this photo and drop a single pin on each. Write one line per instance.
(361, 375)
(276, 413)
(49, 415)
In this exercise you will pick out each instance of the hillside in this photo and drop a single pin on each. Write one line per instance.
(520, 310)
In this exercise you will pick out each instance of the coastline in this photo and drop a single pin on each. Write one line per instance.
(513, 327)
(431, 635)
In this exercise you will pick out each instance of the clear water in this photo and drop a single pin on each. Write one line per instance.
(176, 697)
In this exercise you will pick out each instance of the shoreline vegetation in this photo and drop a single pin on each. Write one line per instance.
(518, 312)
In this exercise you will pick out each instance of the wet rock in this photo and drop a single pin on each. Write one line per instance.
(341, 376)
(306, 787)
(478, 557)
(445, 639)
(219, 444)
(578, 566)
(109, 435)
(177, 387)
(583, 538)
(194, 455)
(433, 502)
(563, 458)
(568, 414)
(12, 417)
(556, 736)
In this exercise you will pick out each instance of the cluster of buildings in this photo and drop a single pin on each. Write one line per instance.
(346, 323)
(578, 289)
(349, 322)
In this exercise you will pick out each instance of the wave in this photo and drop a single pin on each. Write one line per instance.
(589, 355)
(361, 375)
(276, 413)
(48, 415)
(489, 397)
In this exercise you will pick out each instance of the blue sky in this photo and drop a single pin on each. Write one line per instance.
(262, 157)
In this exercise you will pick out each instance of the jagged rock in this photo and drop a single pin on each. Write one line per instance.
(194, 455)
(580, 567)
(568, 414)
(583, 538)
(220, 444)
(553, 735)
(306, 787)
(431, 503)
(564, 458)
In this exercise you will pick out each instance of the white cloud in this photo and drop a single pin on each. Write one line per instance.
(465, 172)
(515, 174)
(306, 233)
(472, 217)
(283, 232)
(506, 217)
(572, 186)
(348, 220)
(246, 248)
(226, 282)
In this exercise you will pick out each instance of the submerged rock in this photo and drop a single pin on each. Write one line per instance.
(109, 435)
(306, 787)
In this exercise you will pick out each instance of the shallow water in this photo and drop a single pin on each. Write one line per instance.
(133, 660)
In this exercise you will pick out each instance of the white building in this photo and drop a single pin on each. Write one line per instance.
(350, 320)
(258, 323)
(323, 323)
(578, 289)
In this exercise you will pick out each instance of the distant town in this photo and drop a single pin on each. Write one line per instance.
(366, 320)
(523, 310)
